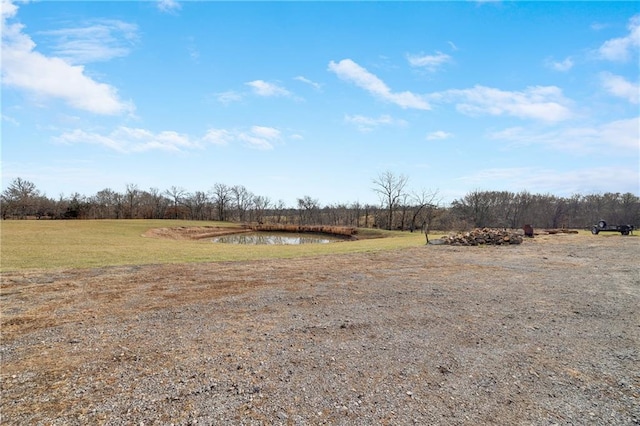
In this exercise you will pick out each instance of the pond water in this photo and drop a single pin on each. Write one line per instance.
(275, 238)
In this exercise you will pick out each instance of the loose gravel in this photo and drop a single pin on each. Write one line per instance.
(546, 332)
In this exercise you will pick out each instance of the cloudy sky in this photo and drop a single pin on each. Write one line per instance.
(294, 99)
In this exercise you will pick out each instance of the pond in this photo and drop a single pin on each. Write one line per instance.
(276, 238)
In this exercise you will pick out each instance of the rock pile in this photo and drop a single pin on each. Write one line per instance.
(479, 236)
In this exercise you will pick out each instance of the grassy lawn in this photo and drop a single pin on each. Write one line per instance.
(44, 244)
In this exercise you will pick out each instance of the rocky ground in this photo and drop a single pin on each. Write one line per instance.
(540, 333)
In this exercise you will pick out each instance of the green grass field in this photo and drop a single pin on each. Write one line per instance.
(44, 244)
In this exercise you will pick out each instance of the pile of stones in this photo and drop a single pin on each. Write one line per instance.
(479, 236)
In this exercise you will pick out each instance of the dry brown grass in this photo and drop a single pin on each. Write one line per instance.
(530, 334)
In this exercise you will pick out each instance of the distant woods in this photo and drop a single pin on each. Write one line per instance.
(398, 207)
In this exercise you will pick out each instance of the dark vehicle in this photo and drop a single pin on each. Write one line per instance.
(603, 227)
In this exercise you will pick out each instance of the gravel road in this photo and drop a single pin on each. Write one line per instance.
(546, 332)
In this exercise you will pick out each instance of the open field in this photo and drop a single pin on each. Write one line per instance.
(94, 243)
(546, 332)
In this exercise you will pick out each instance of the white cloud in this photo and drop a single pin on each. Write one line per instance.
(557, 182)
(10, 120)
(620, 87)
(130, 140)
(620, 49)
(260, 137)
(218, 137)
(430, 62)
(562, 66)
(193, 53)
(228, 97)
(545, 103)
(439, 135)
(100, 41)
(609, 139)
(349, 71)
(367, 124)
(505, 173)
(257, 137)
(263, 88)
(169, 6)
(8, 10)
(315, 85)
(26, 69)
(127, 140)
(266, 132)
(623, 134)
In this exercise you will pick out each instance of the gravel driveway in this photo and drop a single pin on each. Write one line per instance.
(546, 332)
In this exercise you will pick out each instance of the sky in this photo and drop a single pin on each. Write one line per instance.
(319, 99)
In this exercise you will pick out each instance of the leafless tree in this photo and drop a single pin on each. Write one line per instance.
(104, 204)
(369, 210)
(260, 205)
(131, 195)
(175, 194)
(221, 197)
(474, 207)
(157, 203)
(390, 189)
(196, 203)
(425, 204)
(20, 198)
(307, 208)
(356, 207)
(279, 209)
(77, 207)
(242, 199)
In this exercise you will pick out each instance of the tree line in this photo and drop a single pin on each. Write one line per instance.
(399, 207)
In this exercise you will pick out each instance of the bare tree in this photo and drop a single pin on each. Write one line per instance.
(175, 194)
(413, 210)
(157, 203)
(77, 207)
(390, 189)
(474, 207)
(20, 198)
(260, 204)
(221, 196)
(242, 199)
(521, 204)
(355, 208)
(630, 205)
(196, 203)
(104, 203)
(367, 209)
(132, 194)
(426, 203)
(307, 207)
(279, 209)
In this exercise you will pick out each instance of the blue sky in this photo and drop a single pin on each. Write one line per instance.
(294, 99)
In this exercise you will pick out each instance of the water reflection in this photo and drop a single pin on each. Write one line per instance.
(270, 238)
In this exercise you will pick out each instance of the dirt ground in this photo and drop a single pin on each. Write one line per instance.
(546, 332)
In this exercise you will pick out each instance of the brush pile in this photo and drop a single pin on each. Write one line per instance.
(479, 236)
